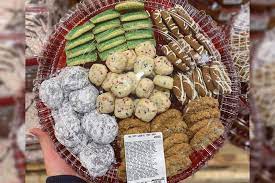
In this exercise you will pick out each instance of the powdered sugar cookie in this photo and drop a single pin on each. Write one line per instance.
(146, 48)
(124, 107)
(144, 88)
(109, 81)
(163, 66)
(98, 73)
(122, 86)
(144, 65)
(105, 103)
(164, 81)
(117, 62)
(146, 110)
(131, 59)
(161, 100)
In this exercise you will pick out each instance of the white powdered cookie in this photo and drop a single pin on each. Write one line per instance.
(124, 107)
(131, 59)
(163, 90)
(108, 82)
(122, 86)
(144, 88)
(117, 62)
(51, 94)
(135, 78)
(164, 81)
(105, 103)
(161, 100)
(102, 128)
(98, 73)
(144, 65)
(146, 110)
(84, 100)
(163, 66)
(146, 48)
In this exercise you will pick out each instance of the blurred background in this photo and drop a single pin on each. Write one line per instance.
(248, 25)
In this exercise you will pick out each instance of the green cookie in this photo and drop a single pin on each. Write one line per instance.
(129, 5)
(104, 16)
(79, 30)
(139, 34)
(89, 36)
(101, 27)
(133, 44)
(111, 43)
(127, 17)
(109, 34)
(138, 24)
(103, 56)
(81, 50)
(83, 59)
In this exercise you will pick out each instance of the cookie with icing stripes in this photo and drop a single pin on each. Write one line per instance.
(171, 24)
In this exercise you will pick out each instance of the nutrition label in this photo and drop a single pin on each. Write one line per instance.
(145, 162)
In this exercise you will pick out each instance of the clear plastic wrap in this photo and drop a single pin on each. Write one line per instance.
(53, 59)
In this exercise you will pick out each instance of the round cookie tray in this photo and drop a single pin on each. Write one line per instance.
(53, 59)
(263, 151)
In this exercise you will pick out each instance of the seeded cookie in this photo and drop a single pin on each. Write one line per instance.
(129, 6)
(122, 86)
(79, 30)
(104, 55)
(111, 24)
(207, 135)
(146, 48)
(138, 24)
(176, 138)
(87, 37)
(132, 16)
(201, 104)
(105, 103)
(144, 88)
(164, 81)
(144, 65)
(146, 110)
(116, 62)
(183, 149)
(201, 124)
(129, 123)
(108, 82)
(161, 100)
(105, 16)
(109, 34)
(172, 57)
(121, 172)
(163, 66)
(98, 73)
(175, 164)
(124, 107)
(202, 115)
(131, 59)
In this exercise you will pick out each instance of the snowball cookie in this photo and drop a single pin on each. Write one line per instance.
(163, 66)
(98, 73)
(51, 94)
(122, 86)
(105, 103)
(84, 100)
(117, 62)
(163, 90)
(131, 59)
(108, 82)
(146, 48)
(74, 78)
(102, 128)
(97, 158)
(145, 88)
(146, 110)
(135, 79)
(164, 81)
(69, 133)
(124, 107)
(136, 101)
(161, 100)
(144, 65)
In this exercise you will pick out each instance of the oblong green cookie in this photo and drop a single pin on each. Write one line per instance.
(104, 16)
(138, 24)
(103, 56)
(129, 5)
(111, 43)
(101, 27)
(81, 50)
(109, 34)
(83, 59)
(89, 36)
(133, 44)
(139, 34)
(139, 15)
(79, 30)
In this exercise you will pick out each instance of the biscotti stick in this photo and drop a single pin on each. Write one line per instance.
(195, 44)
(180, 22)
(190, 51)
(156, 16)
(199, 82)
(180, 53)
(207, 78)
(171, 24)
(171, 56)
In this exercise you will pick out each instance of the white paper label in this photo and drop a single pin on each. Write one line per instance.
(145, 162)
